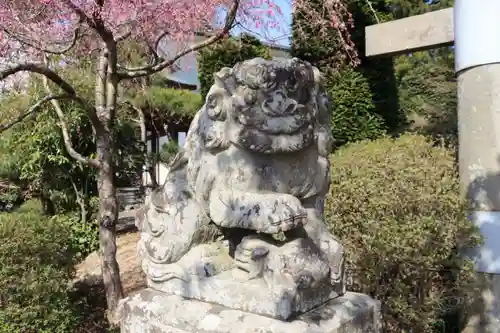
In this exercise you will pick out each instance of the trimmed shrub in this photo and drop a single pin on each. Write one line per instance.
(36, 263)
(168, 151)
(354, 116)
(227, 53)
(169, 102)
(33, 206)
(10, 196)
(84, 237)
(395, 205)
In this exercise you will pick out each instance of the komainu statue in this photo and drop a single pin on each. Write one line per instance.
(254, 171)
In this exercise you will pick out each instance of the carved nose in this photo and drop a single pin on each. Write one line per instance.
(279, 105)
(290, 107)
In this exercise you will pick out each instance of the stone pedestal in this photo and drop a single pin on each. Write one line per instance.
(233, 290)
(150, 311)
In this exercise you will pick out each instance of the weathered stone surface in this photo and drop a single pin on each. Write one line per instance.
(255, 166)
(208, 273)
(233, 290)
(151, 311)
(410, 34)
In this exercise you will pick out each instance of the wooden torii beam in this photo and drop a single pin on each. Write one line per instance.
(473, 27)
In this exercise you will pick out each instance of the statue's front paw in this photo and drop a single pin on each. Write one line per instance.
(164, 273)
(269, 213)
(250, 256)
(283, 214)
(304, 280)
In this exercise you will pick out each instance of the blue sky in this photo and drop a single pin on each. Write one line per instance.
(188, 73)
(281, 34)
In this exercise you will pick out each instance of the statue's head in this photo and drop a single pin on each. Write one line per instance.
(268, 106)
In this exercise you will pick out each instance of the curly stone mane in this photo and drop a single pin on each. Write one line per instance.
(267, 107)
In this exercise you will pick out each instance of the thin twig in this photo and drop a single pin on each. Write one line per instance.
(65, 130)
(151, 69)
(71, 44)
(373, 10)
(32, 109)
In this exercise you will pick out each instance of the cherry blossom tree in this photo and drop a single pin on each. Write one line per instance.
(36, 34)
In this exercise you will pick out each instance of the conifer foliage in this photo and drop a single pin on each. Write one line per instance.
(226, 53)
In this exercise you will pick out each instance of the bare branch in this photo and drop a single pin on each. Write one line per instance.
(65, 49)
(54, 77)
(31, 110)
(39, 69)
(81, 14)
(368, 2)
(141, 120)
(80, 200)
(148, 70)
(154, 59)
(65, 132)
(123, 37)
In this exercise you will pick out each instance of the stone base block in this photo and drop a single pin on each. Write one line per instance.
(150, 311)
(233, 289)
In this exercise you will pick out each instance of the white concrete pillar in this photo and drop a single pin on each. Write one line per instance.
(477, 64)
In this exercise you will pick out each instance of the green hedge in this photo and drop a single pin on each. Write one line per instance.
(37, 256)
(168, 151)
(170, 102)
(395, 205)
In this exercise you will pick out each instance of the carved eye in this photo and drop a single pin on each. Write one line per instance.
(214, 106)
(304, 74)
(212, 101)
(250, 96)
(292, 83)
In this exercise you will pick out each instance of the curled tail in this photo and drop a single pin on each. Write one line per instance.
(169, 225)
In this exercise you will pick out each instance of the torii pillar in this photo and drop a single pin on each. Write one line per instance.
(477, 64)
(474, 28)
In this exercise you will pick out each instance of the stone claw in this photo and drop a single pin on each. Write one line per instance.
(251, 254)
(304, 280)
(259, 253)
(167, 273)
(268, 213)
(287, 214)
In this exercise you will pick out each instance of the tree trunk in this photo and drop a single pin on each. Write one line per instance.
(108, 215)
(83, 211)
(48, 208)
(105, 99)
(144, 140)
(173, 133)
(153, 165)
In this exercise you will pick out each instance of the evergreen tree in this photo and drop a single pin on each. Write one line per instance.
(378, 74)
(404, 8)
(426, 80)
(410, 88)
(227, 53)
(354, 118)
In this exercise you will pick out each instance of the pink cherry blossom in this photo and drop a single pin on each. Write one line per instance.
(49, 25)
